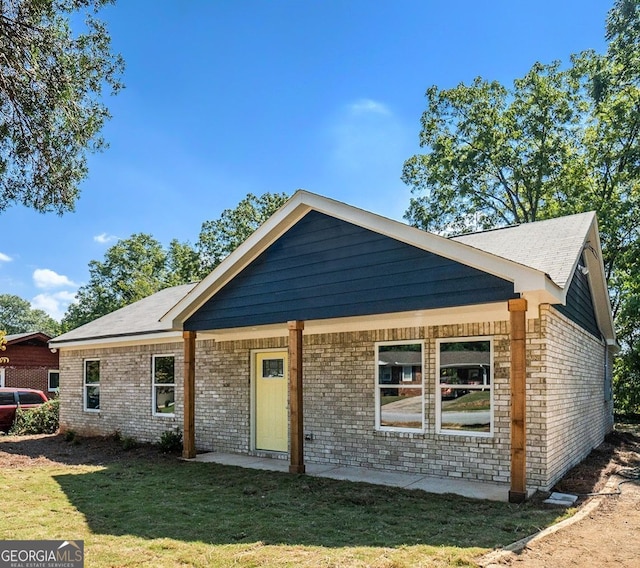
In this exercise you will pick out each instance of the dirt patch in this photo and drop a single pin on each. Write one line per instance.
(607, 535)
(51, 449)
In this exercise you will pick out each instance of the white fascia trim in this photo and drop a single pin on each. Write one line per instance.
(274, 227)
(598, 283)
(480, 313)
(118, 341)
(524, 278)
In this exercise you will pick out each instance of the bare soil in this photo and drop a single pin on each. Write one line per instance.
(47, 450)
(607, 537)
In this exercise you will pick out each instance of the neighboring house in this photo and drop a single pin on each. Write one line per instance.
(326, 336)
(32, 363)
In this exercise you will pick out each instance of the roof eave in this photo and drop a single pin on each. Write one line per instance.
(525, 278)
(120, 338)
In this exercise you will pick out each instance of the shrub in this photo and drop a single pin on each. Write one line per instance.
(129, 443)
(43, 419)
(70, 436)
(171, 441)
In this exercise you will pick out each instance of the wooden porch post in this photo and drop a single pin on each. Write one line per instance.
(296, 416)
(518, 317)
(189, 437)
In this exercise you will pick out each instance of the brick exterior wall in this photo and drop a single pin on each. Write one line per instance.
(578, 414)
(29, 366)
(125, 392)
(339, 400)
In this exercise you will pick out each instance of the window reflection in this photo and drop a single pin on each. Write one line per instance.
(465, 385)
(400, 386)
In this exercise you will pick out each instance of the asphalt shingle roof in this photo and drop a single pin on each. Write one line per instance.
(551, 246)
(140, 317)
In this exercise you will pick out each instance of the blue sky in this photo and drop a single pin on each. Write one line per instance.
(229, 97)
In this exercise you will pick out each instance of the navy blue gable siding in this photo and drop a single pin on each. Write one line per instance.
(579, 307)
(327, 268)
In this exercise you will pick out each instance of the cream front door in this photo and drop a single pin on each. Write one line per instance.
(271, 382)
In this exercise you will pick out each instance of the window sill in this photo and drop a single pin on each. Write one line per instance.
(463, 434)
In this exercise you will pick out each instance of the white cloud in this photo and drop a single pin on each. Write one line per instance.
(367, 146)
(54, 304)
(5, 257)
(46, 278)
(367, 138)
(104, 238)
(368, 106)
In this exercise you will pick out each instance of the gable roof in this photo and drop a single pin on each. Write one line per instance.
(525, 278)
(17, 338)
(552, 246)
(538, 258)
(141, 317)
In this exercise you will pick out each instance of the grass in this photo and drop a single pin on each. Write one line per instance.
(141, 512)
(475, 400)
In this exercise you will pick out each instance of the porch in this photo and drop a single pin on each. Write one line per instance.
(430, 484)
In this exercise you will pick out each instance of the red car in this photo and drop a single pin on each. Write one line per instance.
(12, 398)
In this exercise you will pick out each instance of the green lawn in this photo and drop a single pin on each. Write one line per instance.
(163, 512)
(474, 400)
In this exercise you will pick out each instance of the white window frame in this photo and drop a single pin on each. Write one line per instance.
(49, 389)
(154, 385)
(85, 384)
(2, 376)
(402, 385)
(438, 388)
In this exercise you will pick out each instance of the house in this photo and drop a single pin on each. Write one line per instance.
(31, 363)
(288, 349)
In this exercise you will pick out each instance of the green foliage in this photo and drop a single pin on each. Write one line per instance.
(3, 346)
(139, 266)
(70, 436)
(52, 82)
(132, 269)
(43, 419)
(129, 443)
(171, 441)
(496, 156)
(221, 237)
(17, 316)
(559, 141)
(626, 378)
(183, 264)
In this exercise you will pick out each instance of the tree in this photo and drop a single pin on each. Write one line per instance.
(17, 316)
(139, 266)
(132, 269)
(559, 141)
(51, 82)
(183, 263)
(3, 347)
(221, 237)
(498, 156)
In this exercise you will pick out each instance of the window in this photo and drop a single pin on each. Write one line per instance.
(25, 397)
(464, 402)
(92, 384)
(164, 385)
(272, 368)
(54, 380)
(7, 399)
(399, 386)
(1, 377)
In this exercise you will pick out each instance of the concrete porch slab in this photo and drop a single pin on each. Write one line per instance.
(472, 489)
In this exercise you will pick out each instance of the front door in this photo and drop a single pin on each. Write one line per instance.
(271, 382)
